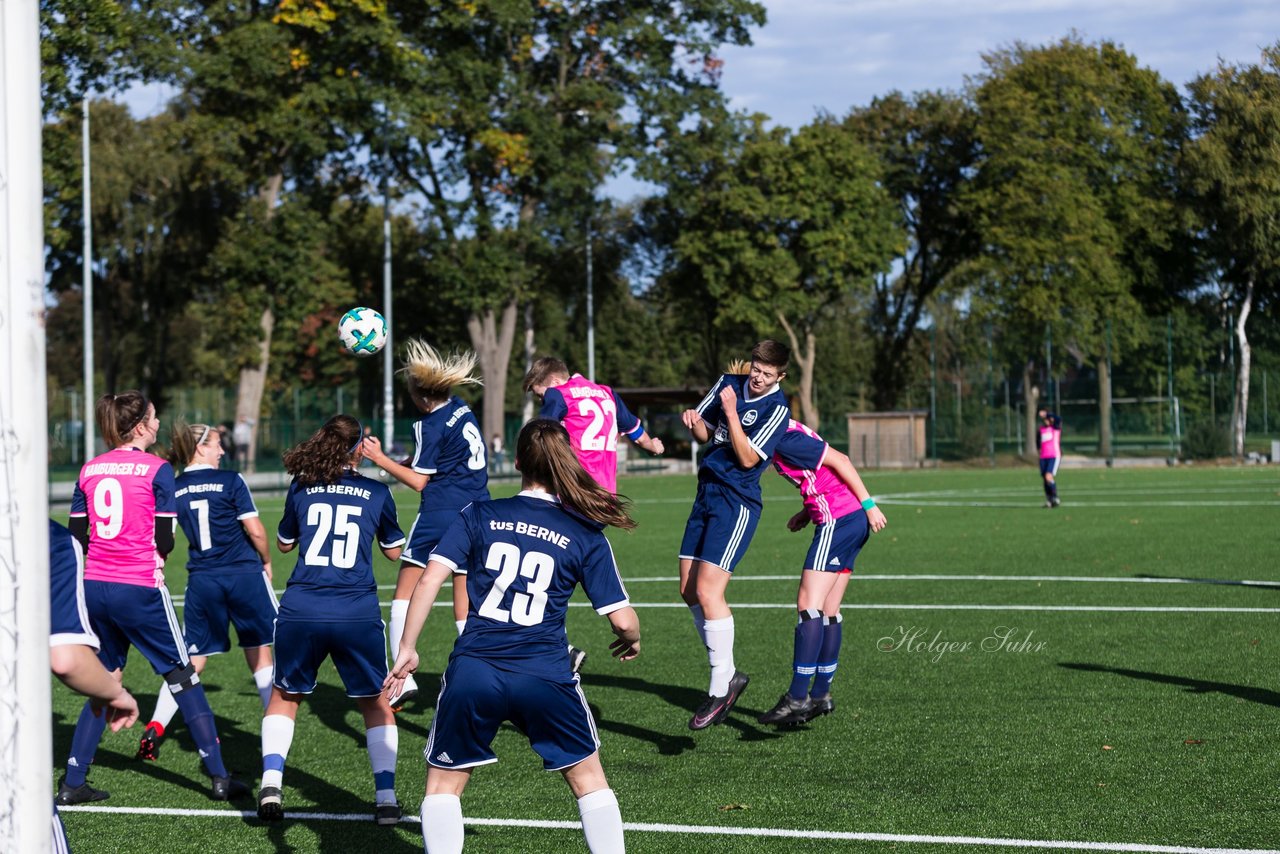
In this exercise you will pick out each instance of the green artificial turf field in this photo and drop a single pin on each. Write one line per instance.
(1105, 672)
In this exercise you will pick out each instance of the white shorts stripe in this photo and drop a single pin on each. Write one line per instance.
(731, 549)
(174, 626)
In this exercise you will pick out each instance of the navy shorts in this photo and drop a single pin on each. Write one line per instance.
(215, 599)
(476, 698)
(836, 544)
(719, 529)
(425, 535)
(68, 611)
(1049, 465)
(127, 614)
(358, 650)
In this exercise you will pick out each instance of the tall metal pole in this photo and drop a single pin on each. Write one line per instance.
(86, 288)
(1169, 366)
(933, 394)
(591, 309)
(25, 718)
(388, 351)
(1052, 394)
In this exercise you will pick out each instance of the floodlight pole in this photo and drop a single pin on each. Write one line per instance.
(591, 309)
(388, 350)
(26, 721)
(86, 288)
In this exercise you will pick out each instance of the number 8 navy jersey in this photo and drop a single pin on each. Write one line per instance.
(334, 525)
(522, 558)
(452, 451)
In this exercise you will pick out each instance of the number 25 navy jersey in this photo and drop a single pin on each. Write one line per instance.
(522, 558)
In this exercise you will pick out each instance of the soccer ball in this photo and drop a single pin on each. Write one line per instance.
(363, 331)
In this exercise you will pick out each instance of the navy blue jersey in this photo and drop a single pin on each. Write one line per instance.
(522, 557)
(68, 613)
(212, 504)
(334, 525)
(764, 420)
(451, 449)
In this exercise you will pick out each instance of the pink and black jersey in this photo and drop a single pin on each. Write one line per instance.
(1050, 442)
(122, 493)
(594, 415)
(798, 458)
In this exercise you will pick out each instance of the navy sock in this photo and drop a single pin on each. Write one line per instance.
(829, 655)
(84, 744)
(805, 658)
(199, 718)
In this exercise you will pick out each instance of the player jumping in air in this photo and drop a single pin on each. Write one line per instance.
(1049, 440)
(522, 557)
(330, 607)
(228, 569)
(449, 467)
(743, 418)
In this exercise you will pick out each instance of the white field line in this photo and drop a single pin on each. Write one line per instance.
(946, 577)
(639, 827)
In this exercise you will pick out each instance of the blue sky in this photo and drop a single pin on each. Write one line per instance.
(838, 54)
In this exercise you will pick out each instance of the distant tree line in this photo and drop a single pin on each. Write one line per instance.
(1066, 191)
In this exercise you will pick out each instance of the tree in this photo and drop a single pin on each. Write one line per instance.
(1074, 198)
(928, 150)
(1232, 167)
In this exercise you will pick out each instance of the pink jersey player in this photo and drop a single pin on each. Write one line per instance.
(826, 496)
(122, 493)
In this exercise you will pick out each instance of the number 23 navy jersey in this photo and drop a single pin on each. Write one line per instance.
(522, 558)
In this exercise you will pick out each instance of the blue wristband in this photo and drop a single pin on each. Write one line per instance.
(868, 504)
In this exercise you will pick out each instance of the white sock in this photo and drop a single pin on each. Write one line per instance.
(277, 736)
(602, 822)
(699, 623)
(395, 626)
(166, 706)
(442, 824)
(384, 743)
(262, 679)
(460, 625)
(720, 654)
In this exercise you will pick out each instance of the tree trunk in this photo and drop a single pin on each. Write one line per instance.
(529, 350)
(1240, 406)
(1030, 403)
(804, 358)
(1104, 409)
(492, 338)
(253, 379)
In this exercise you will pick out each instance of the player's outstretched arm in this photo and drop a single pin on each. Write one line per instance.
(80, 670)
(626, 627)
(372, 448)
(424, 596)
(693, 420)
(843, 467)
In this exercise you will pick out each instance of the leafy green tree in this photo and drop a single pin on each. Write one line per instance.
(1232, 167)
(1074, 198)
(927, 146)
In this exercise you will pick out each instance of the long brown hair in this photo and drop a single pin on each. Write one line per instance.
(545, 457)
(184, 439)
(325, 456)
(118, 415)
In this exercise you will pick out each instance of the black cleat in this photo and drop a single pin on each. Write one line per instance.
(82, 794)
(270, 804)
(821, 704)
(149, 744)
(577, 657)
(788, 711)
(385, 814)
(715, 709)
(228, 788)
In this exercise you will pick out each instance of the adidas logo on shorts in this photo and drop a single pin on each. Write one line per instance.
(444, 757)
(835, 561)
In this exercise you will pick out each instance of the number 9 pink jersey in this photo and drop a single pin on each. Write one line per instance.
(123, 492)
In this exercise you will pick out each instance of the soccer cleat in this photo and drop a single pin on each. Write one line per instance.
(577, 657)
(821, 704)
(387, 814)
(788, 711)
(149, 744)
(1055, 502)
(270, 804)
(407, 693)
(82, 794)
(227, 788)
(715, 709)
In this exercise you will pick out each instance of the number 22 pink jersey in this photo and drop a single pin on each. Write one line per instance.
(123, 492)
(594, 415)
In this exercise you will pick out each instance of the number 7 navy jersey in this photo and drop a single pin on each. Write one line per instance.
(212, 504)
(523, 557)
(334, 525)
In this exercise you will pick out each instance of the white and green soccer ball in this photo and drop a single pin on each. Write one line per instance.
(363, 331)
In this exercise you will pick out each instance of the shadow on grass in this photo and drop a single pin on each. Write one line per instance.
(1198, 686)
(1229, 582)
